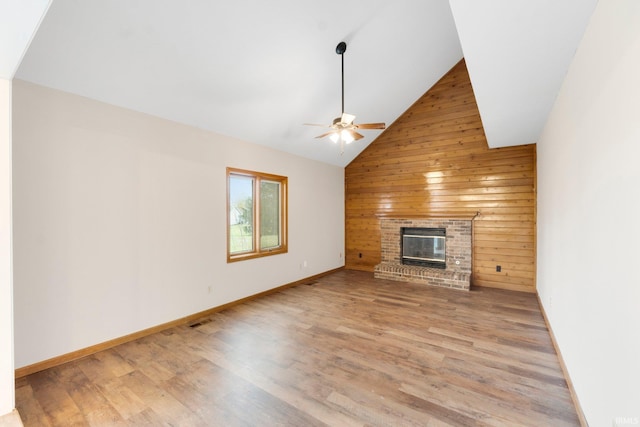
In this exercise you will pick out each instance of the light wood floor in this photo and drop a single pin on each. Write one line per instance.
(348, 350)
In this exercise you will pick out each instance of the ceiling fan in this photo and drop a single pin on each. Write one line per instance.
(343, 129)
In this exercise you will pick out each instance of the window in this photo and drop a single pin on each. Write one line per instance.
(257, 214)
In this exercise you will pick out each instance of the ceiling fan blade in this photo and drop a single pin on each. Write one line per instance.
(325, 134)
(315, 124)
(347, 118)
(356, 135)
(371, 126)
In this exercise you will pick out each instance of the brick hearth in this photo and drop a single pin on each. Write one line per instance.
(458, 248)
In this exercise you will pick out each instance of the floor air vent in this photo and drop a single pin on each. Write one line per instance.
(200, 323)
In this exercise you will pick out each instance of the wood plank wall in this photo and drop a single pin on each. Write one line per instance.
(434, 162)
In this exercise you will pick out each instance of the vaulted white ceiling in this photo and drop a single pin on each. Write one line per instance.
(517, 53)
(258, 70)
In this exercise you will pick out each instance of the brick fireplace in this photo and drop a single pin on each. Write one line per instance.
(457, 273)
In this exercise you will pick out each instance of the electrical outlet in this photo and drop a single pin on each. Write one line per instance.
(498, 268)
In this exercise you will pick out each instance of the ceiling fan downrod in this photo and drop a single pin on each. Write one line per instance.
(340, 50)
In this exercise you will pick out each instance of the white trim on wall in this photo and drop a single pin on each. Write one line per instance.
(7, 385)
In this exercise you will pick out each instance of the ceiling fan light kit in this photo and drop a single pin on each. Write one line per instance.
(343, 128)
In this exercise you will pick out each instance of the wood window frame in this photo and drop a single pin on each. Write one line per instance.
(257, 252)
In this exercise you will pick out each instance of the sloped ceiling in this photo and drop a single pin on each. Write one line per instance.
(517, 54)
(18, 23)
(258, 70)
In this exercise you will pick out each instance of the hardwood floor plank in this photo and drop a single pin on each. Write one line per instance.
(58, 406)
(123, 399)
(86, 394)
(158, 400)
(347, 350)
(32, 412)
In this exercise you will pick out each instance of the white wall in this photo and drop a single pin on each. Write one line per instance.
(7, 392)
(120, 221)
(589, 216)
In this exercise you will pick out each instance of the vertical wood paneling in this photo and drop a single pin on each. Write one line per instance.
(434, 161)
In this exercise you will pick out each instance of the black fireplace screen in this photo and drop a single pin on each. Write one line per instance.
(424, 247)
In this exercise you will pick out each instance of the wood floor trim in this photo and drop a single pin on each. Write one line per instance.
(74, 355)
(572, 391)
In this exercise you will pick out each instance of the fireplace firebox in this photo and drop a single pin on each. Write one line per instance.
(424, 247)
